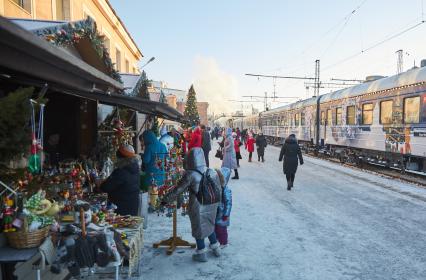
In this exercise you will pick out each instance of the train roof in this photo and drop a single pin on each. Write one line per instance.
(298, 104)
(410, 77)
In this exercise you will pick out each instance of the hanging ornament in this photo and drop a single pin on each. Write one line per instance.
(34, 162)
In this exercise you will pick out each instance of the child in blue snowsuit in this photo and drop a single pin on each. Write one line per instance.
(224, 209)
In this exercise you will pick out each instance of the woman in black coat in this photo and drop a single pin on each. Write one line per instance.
(291, 153)
(261, 145)
(123, 184)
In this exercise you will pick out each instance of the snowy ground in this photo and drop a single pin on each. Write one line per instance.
(337, 223)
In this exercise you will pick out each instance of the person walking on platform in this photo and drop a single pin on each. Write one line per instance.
(237, 145)
(205, 143)
(244, 136)
(229, 155)
(291, 154)
(250, 146)
(261, 145)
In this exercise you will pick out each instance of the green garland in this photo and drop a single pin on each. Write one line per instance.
(71, 33)
(15, 134)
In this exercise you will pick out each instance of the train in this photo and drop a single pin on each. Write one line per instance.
(380, 121)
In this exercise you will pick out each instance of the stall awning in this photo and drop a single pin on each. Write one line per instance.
(138, 104)
(27, 59)
(23, 52)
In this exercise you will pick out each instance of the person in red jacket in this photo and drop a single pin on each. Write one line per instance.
(250, 146)
(196, 139)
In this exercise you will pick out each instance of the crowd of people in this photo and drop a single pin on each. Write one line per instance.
(208, 219)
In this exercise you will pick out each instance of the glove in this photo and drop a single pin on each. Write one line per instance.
(225, 218)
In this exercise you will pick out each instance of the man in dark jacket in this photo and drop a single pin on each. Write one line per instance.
(205, 143)
(290, 152)
(261, 145)
(123, 184)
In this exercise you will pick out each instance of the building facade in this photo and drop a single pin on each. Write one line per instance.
(202, 108)
(123, 50)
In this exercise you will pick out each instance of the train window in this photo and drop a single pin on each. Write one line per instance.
(412, 109)
(322, 117)
(350, 115)
(386, 112)
(296, 119)
(367, 113)
(302, 119)
(338, 116)
(329, 117)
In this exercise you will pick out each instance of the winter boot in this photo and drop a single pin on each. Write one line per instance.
(288, 185)
(200, 255)
(216, 249)
(258, 158)
(291, 184)
(263, 159)
(236, 175)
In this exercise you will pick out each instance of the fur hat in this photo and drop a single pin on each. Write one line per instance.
(127, 151)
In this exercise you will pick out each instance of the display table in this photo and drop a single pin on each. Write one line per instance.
(135, 238)
(135, 243)
(10, 256)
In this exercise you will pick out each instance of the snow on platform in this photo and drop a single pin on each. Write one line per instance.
(337, 223)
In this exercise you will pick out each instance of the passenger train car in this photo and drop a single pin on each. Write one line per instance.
(248, 122)
(381, 121)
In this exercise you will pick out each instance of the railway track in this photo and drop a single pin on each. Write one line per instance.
(418, 179)
(414, 178)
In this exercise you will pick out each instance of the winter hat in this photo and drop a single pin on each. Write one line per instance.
(127, 150)
(163, 131)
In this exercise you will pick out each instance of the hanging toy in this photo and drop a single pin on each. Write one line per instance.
(153, 199)
(34, 162)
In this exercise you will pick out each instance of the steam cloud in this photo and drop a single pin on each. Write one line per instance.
(215, 86)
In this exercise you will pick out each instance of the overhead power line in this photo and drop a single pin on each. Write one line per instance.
(375, 45)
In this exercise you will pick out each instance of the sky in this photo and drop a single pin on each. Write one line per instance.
(213, 44)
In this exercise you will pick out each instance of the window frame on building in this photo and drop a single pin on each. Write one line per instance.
(118, 58)
(370, 111)
(389, 117)
(126, 65)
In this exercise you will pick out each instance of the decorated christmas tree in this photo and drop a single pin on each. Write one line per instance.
(191, 111)
(141, 88)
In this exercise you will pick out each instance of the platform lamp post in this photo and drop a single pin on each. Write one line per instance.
(146, 63)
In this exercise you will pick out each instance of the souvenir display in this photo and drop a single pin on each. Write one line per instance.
(172, 166)
(62, 200)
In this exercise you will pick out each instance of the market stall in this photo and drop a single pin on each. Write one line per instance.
(53, 205)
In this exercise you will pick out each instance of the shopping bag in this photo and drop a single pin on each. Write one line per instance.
(219, 154)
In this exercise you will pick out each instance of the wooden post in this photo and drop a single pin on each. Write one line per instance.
(174, 241)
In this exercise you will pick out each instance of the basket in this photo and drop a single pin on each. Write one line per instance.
(23, 239)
